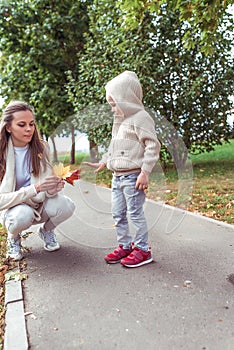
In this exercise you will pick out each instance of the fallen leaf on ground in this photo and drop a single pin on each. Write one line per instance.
(16, 276)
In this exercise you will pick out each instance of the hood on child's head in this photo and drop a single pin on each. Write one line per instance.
(125, 89)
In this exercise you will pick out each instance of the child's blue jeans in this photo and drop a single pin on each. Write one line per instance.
(126, 199)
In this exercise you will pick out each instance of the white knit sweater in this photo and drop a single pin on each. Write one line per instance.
(134, 145)
(9, 197)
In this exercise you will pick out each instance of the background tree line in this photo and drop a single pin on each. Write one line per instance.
(59, 56)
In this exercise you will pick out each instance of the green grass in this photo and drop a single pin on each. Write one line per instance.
(79, 158)
(212, 182)
(224, 153)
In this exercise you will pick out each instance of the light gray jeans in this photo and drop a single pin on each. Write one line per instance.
(55, 210)
(126, 199)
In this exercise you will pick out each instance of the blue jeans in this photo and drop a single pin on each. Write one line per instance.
(126, 199)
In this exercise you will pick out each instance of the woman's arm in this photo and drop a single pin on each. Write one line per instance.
(50, 184)
(10, 199)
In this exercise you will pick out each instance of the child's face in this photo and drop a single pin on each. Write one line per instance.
(114, 108)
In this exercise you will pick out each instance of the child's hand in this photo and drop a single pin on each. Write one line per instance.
(142, 181)
(97, 166)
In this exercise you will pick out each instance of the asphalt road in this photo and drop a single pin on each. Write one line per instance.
(183, 300)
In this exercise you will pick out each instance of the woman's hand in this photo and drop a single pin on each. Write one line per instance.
(58, 188)
(51, 184)
(142, 181)
(97, 166)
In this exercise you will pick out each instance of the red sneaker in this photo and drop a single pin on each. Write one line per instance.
(137, 258)
(117, 255)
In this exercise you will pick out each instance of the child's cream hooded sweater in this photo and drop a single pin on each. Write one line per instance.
(134, 145)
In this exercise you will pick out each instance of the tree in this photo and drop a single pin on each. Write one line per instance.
(186, 90)
(192, 89)
(39, 44)
(108, 51)
(203, 17)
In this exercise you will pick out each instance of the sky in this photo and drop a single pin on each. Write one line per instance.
(63, 144)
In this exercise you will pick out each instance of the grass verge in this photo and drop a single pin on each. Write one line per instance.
(5, 266)
(3, 269)
(213, 179)
(212, 183)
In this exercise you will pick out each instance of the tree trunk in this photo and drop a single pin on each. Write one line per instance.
(93, 151)
(72, 155)
(55, 154)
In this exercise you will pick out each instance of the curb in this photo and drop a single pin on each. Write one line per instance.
(184, 212)
(15, 337)
(15, 330)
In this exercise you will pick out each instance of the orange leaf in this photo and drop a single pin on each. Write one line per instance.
(75, 175)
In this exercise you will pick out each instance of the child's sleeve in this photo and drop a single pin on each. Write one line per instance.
(148, 138)
(104, 158)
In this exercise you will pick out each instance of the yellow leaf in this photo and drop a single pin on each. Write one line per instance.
(61, 171)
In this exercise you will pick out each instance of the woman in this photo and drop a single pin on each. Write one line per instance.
(28, 190)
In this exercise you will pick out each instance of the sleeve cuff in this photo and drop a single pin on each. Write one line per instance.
(48, 195)
(35, 191)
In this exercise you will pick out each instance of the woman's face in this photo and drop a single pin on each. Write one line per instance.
(22, 128)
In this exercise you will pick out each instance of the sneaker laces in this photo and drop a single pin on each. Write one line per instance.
(14, 245)
(50, 237)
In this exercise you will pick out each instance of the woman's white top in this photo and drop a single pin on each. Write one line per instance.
(23, 167)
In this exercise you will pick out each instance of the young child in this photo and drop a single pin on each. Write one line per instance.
(29, 194)
(132, 154)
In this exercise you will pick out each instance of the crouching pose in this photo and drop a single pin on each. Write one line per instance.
(29, 193)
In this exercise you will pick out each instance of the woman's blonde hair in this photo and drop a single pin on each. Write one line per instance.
(37, 145)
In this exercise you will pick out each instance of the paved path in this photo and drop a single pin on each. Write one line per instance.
(74, 300)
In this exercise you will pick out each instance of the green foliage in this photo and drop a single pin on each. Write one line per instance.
(106, 54)
(109, 50)
(186, 91)
(202, 17)
(39, 43)
(59, 59)
(190, 89)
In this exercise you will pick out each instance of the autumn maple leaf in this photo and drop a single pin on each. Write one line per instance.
(62, 171)
(75, 175)
(66, 174)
